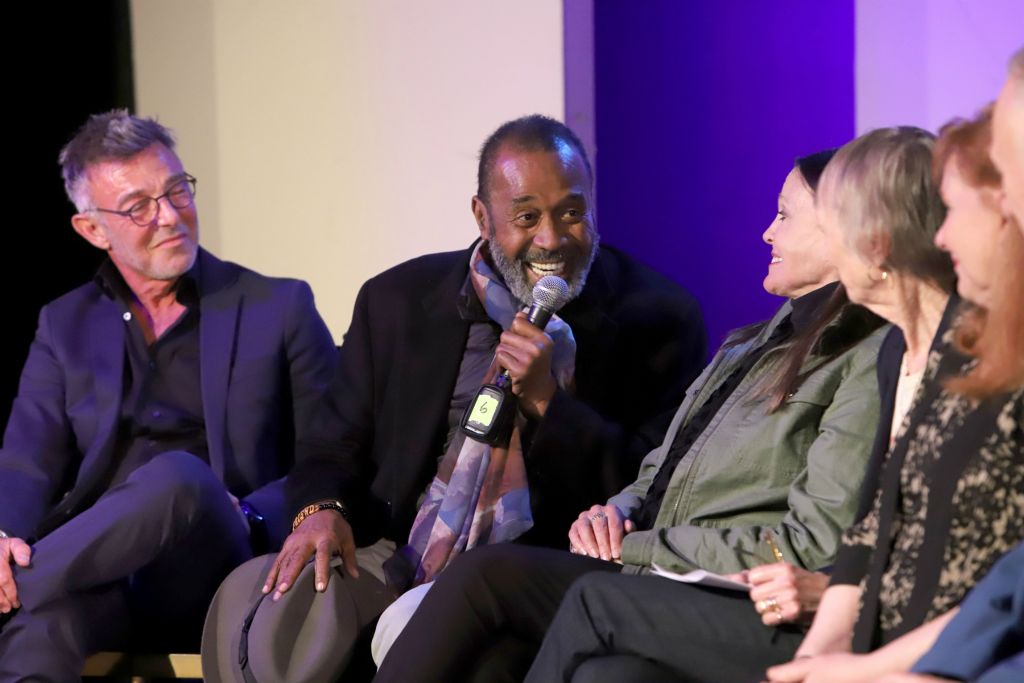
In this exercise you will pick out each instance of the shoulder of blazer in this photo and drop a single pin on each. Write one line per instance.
(424, 271)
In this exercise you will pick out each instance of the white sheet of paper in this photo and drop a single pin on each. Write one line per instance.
(702, 578)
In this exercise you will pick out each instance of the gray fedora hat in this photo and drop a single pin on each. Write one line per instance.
(305, 637)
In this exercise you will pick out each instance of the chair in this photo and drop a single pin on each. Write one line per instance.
(139, 668)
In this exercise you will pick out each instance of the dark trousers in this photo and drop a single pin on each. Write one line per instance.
(485, 617)
(145, 560)
(622, 668)
(621, 628)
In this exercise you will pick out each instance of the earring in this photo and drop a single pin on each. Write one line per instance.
(883, 274)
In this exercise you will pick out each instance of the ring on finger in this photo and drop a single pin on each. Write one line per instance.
(763, 606)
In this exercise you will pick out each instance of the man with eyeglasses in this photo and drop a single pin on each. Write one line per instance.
(155, 421)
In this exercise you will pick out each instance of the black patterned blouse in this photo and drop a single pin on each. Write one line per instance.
(949, 502)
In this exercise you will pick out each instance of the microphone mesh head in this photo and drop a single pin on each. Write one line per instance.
(551, 292)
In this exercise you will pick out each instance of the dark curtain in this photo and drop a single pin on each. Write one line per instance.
(65, 61)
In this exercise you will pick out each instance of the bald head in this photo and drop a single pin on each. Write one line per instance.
(1008, 137)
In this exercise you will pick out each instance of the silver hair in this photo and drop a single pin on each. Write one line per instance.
(882, 190)
(115, 134)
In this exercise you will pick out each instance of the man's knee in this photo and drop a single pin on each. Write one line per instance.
(183, 483)
(613, 668)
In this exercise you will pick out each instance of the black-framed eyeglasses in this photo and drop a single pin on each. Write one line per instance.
(143, 212)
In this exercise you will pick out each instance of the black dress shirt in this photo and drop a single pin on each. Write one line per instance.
(162, 406)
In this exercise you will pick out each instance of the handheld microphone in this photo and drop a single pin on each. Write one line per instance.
(549, 294)
(490, 415)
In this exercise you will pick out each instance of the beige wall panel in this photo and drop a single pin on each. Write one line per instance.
(334, 139)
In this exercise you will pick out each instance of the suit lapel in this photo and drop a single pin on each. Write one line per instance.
(107, 351)
(435, 361)
(219, 308)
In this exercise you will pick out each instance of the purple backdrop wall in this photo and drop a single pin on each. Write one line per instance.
(700, 109)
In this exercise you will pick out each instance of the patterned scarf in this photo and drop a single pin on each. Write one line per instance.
(480, 494)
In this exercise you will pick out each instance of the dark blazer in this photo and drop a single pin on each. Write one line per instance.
(266, 358)
(943, 507)
(640, 341)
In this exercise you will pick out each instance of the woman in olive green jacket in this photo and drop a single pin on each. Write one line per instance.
(794, 473)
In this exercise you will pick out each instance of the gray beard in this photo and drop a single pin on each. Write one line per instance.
(513, 271)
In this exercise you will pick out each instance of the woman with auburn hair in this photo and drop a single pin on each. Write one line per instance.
(987, 255)
(949, 499)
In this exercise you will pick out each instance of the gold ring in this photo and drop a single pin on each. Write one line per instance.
(763, 606)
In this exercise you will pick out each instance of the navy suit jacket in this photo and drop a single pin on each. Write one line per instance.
(640, 342)
(265, 360)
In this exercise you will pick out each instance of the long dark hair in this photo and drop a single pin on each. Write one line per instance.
(838, 326)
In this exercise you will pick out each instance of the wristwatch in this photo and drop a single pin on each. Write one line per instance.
(317, 507)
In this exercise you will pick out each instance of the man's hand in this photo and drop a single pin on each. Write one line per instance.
(598, 532)
(325, 533)
(11, 549)
(525, 351)
(784, 593)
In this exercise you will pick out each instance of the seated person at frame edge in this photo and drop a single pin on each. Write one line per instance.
(774, 435)
(595, 393)
(154, 422)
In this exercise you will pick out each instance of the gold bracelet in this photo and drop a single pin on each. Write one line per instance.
(317, 507)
